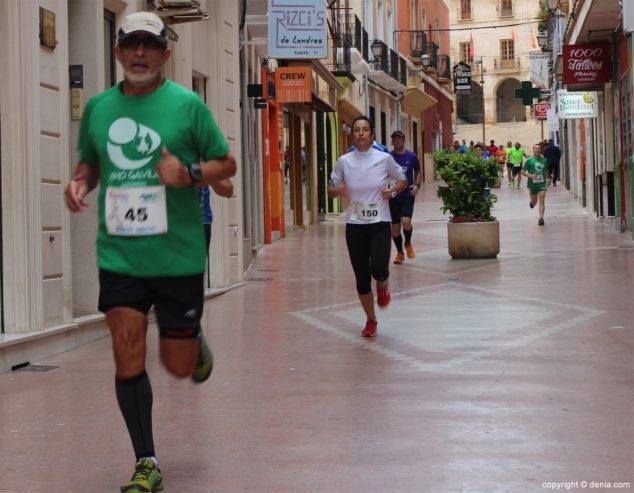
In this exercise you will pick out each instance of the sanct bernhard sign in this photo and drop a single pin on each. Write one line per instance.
(587, 64)
(577, 104)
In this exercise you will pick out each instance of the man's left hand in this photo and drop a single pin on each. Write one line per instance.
(413, 190)
(172, 172)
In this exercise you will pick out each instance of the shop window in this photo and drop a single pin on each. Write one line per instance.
(465, 53)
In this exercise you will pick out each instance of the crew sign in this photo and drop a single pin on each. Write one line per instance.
(461, 78)
(298, 29)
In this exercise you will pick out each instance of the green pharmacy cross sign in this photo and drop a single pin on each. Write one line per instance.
(527, 93)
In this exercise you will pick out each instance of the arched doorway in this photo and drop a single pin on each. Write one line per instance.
(469, 106)
(509, 109)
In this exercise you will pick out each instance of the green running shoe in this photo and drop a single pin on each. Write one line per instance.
(146, 478)
(205, 362)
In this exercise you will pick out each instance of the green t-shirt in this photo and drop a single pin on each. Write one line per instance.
(537, 166)
(517, 156)
(125, 136)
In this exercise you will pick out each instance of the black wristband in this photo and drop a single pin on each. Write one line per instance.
(195, 173)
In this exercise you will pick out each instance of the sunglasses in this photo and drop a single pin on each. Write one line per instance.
(149, 43)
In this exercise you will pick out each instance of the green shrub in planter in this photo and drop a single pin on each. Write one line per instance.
(467, 195)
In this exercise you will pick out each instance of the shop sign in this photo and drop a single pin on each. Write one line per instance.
(628, 16)
(539, 69)
(587, 64)
(297, 29)
(540, 110)
(461, 78)
(577, 104)
(292, 84)
(553, 120)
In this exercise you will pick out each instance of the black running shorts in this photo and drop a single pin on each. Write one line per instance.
(401, 207)
(178, 301)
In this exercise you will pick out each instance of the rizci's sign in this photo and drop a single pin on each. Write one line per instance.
(587, 64)
(577, 104)
(298, 29)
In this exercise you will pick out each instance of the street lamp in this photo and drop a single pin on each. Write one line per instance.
(426, 60)
(481, 63)
(552, 5)
(542, 40)
(377, 50)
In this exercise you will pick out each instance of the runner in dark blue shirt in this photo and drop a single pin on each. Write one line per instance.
(402, 206)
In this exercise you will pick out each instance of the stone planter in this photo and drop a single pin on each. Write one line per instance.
(498, 182)
(473, 240)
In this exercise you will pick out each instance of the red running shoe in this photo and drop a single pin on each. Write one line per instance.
(370, 329)
(383, 296)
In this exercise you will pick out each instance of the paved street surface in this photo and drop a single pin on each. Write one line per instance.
(487, 376)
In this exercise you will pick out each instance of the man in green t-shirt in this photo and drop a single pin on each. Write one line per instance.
(536, 170)
(516, 158)
(149, 143)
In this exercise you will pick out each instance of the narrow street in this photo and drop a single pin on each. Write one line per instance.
(500, 375)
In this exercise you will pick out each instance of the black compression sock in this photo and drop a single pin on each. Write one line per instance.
(135, 401)
(408, 235)
(398, 241)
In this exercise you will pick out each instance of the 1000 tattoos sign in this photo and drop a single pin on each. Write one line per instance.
(587, 64)
(297, 29)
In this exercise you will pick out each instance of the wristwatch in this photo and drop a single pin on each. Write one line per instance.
(195, 173)
(394, 194)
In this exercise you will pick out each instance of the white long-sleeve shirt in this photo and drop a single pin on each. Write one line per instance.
(366, 174)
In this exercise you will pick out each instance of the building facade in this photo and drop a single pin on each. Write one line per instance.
(597, 150)
(495, 38)
(49, 274)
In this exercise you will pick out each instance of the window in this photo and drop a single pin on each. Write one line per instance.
(506, 8)
(465, 53)
(465, 9)
(507, 53)
(109, 32)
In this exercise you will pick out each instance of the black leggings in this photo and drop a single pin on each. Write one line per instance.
(369, 249)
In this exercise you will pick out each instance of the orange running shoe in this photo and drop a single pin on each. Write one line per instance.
(410, 250)
(370, 329)
(400, 256)
(383, 295)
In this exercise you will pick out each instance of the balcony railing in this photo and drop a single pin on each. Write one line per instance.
(402, 71)
(348, 33)
(394, 64)
(444, 67)
(341, 59)
(504, 63)
(432, 51)
(504, 10)
(418, 42)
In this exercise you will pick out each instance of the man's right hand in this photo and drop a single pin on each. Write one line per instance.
(74, 194)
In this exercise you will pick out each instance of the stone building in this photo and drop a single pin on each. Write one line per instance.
(499, 58)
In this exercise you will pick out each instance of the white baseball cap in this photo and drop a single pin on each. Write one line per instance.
(145, 22)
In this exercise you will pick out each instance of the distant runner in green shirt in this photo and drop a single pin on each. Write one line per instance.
(536, 170)
(516, 157)
(149, 143)
(509, 164)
